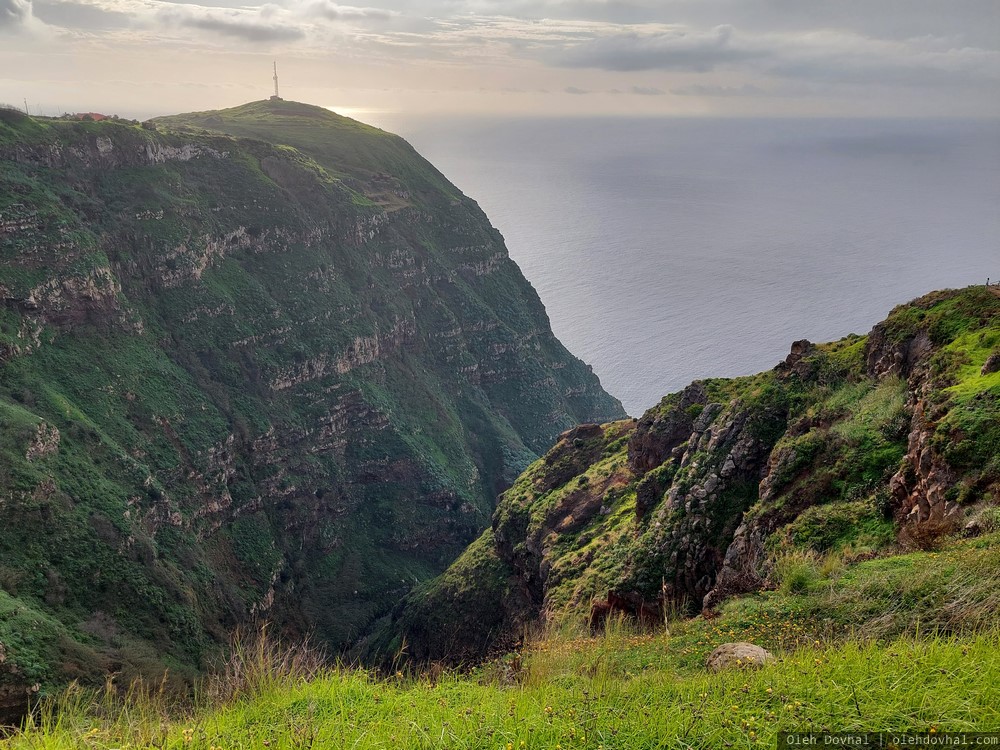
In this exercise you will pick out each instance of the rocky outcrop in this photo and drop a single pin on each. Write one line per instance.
(746, 564)
(363, 350)
(121, 148)
(523, 541)
(890, 352)
(16, 702)
(93, 296)
(921, 487)
(744, 567)
(44, 443)
(18, 694)
(714, 483)
(991, 365)
(662, 431)
(923, 483)
(798, 361)
(842, 446)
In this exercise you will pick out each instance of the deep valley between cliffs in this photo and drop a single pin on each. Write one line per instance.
(267, 365)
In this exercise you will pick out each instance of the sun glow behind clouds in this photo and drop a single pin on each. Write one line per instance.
(358, 113)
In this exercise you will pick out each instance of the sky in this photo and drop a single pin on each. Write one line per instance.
(856, 58)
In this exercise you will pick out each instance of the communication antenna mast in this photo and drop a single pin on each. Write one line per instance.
(275, 97)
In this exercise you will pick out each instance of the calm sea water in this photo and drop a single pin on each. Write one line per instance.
(672, 249)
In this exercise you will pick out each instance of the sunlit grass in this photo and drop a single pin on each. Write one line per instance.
(951, 684)
(924, 653)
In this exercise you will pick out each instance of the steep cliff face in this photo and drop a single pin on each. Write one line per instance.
(281, 373)
(858, 445)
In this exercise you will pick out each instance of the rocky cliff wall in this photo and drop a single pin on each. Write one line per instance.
(862, 446)
(246, 378)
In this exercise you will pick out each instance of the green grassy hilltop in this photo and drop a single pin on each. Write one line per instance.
(261, 363)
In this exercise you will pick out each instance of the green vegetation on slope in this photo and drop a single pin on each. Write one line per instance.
(625, 689)
(280, 371)
(384, 165)
(862, 446)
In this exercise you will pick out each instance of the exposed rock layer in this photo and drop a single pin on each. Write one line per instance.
(851, 445)
(279, 374)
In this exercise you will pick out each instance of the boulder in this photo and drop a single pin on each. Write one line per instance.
(992, 364)
(730, 655)
(795, 362)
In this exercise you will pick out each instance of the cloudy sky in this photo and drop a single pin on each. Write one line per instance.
(548, 57)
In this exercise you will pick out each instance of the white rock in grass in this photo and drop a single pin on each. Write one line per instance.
(730, 655)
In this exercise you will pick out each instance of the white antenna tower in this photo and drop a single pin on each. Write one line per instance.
(276, 97)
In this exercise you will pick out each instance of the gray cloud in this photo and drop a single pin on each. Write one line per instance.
(896, 56)
(696, 89)
(79, 15)
(334, 12)
(676, 49)
(913, 63)
(14, 14)
(976, 22)
(267, 23)
(821, 55)
(248, 26)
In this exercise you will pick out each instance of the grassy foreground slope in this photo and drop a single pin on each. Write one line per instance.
(905, 643)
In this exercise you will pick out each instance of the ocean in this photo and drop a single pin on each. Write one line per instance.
(667, 250)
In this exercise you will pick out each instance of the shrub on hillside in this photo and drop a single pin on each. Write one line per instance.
(259, 661)
(11, 114)
(927, 536)
(797, 571)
